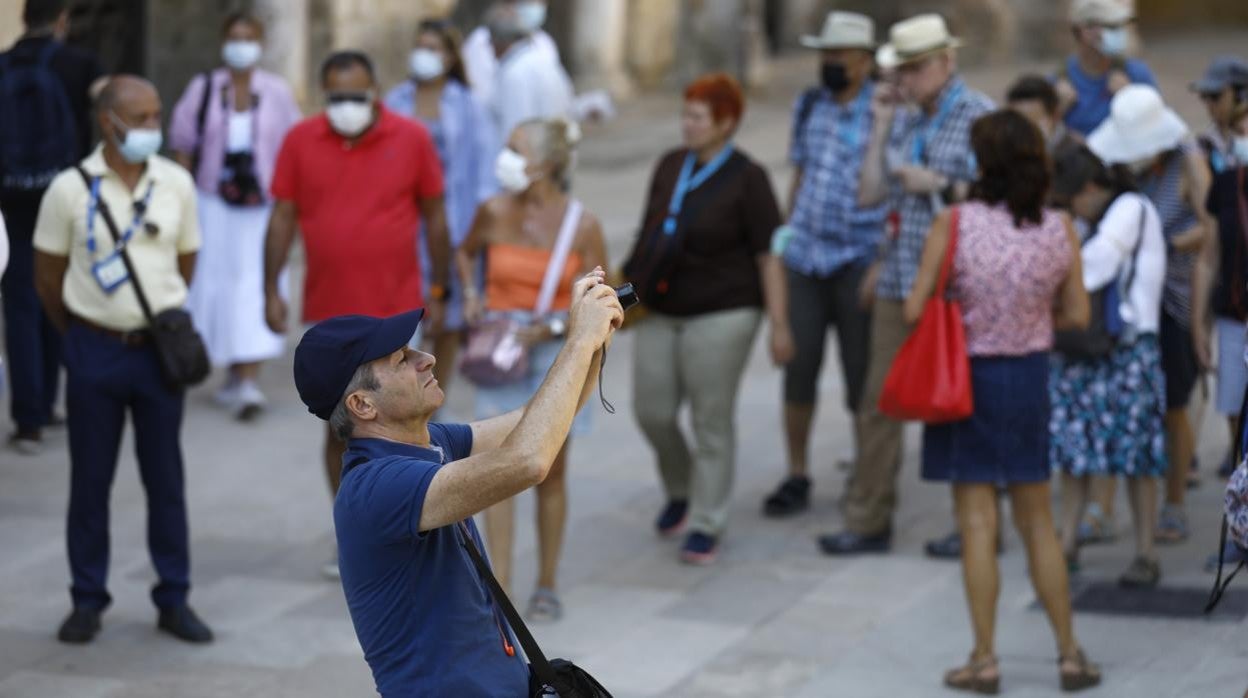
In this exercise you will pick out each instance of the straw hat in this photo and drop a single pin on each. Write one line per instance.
(1140, 126)
(914, 39)
(843, 30)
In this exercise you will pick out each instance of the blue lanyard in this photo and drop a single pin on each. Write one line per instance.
(918, 149)
(688, 181)
(140, 210)
(851, 135)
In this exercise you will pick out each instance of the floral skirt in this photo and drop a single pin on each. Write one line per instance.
(1107, 414)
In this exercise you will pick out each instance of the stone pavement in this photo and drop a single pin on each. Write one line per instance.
(771, 618)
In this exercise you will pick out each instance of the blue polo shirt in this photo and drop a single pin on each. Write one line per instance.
(424, 617)
(1091, 105)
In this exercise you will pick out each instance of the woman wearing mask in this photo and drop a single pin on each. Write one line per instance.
(438, 97)
(1222, 277)
(1016, 272)
(227, 129)
(703, 268)
(1152, 141)
(536, 240)
(1107, 411)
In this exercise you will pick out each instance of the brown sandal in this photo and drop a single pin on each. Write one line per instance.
(1087, 676)
(971, 677)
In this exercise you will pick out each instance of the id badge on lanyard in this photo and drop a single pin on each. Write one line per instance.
(110, 272)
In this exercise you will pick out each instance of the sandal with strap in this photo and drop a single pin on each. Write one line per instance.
(1086, 676)
(977, 676)
(544, 606)
(1171, 525)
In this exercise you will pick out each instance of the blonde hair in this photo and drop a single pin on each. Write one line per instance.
(554, 142)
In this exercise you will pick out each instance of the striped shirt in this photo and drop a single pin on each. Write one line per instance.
(1164, 188)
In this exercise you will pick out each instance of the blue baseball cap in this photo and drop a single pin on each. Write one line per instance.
(330, 352)
(1223, 72)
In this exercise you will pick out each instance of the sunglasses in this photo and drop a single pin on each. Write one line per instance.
(357, 97)
(1210, 96)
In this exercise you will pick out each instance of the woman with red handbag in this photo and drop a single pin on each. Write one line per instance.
(1016, 272)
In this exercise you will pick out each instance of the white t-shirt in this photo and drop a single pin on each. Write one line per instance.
(482, 64)
(4, 246)
(238, 132)
(529, 85)
(1107, 256)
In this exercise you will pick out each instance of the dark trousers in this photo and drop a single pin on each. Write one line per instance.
(107, 379)
(815, 304)
(33, 345)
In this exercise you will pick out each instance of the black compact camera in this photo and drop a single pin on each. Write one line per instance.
(627, 295)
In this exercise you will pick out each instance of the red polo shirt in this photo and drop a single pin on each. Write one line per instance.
(358, 208)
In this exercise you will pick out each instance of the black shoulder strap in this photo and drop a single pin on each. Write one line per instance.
(1219, 586)
(107, 215)
(1135, 252)
(541, 666)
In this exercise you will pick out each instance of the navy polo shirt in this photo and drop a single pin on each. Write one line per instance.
(423, 615)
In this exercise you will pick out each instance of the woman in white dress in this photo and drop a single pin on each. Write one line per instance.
(227, 129)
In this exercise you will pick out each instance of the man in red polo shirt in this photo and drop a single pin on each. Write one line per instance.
(357, 180)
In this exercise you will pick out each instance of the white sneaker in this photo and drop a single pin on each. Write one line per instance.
(26, 445)
(249, 401)
(330, 570)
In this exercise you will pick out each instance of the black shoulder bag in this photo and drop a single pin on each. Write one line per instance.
(655, 256)
(565, 678)
(1099, 339)
(183, 357)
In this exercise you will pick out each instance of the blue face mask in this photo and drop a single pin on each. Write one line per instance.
(1114, 41)
(139, 143)
(532, 15)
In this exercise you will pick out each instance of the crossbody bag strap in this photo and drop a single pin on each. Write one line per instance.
(541, 666)
(200, 116)
(1135, 252)
(946, 265)
(107, 215)
(558, 257)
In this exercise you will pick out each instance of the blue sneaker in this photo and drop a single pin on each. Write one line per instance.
(700, 549)
(672, 519)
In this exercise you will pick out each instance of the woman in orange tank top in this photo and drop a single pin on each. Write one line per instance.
(516, 234)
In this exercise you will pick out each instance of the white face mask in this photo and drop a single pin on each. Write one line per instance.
(1114, 41)
(241, 55)
(532, 15)
(510, 168)
(425, 64)
(139, 143)
(350, 118)
(1240, 149)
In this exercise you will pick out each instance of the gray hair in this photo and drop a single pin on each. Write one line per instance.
(340, 420)
(504, 24)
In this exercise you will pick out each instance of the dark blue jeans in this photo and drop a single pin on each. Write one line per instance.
(107, 379)
(31, 342)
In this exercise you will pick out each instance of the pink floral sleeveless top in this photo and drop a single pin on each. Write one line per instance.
(1007, 277)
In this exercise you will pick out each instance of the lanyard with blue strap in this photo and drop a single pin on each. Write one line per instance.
(111, 272)
(688, 181)
(918, 147)
(851, 134)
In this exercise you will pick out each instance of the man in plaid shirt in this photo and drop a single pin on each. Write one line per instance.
(830, 239)
(920, 163)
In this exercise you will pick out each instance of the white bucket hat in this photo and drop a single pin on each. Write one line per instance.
(844, 30)
(1140, 126)
(915, 38)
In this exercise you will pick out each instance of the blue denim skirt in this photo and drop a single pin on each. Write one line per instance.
(1006, 440)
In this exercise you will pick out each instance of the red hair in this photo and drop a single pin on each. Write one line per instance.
(721, 92)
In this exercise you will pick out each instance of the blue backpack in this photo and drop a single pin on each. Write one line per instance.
(38, 137)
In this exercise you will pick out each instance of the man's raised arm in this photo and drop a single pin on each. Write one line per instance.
(524, 454)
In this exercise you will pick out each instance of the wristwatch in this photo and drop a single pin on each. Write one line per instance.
(557, 326)
(438, 292)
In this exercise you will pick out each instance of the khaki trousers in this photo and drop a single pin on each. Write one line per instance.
(871, 496)
(700, 360)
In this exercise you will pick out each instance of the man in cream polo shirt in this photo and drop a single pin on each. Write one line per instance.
(111, 365)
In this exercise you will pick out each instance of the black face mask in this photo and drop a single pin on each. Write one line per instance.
(834, 77)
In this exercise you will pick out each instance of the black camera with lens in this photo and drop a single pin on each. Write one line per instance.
(627, 295)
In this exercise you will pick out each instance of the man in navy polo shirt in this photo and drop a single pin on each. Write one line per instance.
(423, 615)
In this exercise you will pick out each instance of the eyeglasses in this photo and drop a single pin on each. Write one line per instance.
(1210, 96)
(357, 97)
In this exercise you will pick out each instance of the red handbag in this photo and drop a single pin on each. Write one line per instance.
(930, 380)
